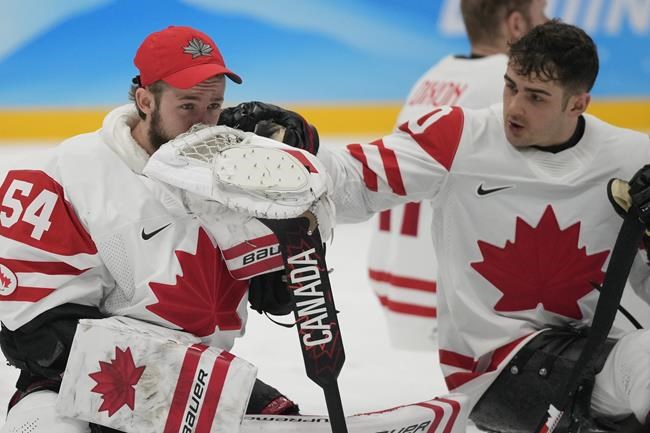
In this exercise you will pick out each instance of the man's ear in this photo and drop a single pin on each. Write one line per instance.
(578, 103)
(516, 26)
(145, 100)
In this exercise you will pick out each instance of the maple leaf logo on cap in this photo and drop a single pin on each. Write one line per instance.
(197, 48)
(116, 381)
(543, 266)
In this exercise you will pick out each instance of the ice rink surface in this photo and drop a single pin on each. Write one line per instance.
(375, 375)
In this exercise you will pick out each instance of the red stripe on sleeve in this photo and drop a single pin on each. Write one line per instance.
(48, 268)
(26, 294)
(391, 166)
(369, 176)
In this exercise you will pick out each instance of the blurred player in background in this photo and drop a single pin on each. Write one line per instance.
(402, 265)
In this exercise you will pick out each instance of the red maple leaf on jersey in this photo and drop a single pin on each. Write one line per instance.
(4, 280)
(544, 265)
(204, 296)
(116, 381)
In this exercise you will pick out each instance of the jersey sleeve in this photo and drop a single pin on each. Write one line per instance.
(408, 165)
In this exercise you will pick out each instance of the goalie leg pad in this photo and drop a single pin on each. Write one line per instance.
(36, 413)
(132, 376)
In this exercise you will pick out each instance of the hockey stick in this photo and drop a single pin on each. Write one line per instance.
(313, 308)
(616, 275)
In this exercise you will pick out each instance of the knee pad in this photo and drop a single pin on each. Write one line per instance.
(35, 413)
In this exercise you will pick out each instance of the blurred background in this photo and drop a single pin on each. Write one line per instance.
(345, 64)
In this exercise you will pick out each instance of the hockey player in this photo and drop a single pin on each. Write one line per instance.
(523, 229)
(84, 235)
(401, 260)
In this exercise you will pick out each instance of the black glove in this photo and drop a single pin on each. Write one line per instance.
(42, 345)
(273, 122)
(268, 293)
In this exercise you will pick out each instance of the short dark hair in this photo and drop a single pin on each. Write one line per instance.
(556, 51)
(483, 18)
(156, 88)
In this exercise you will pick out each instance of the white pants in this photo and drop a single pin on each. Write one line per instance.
(36, 414)
(623, 385)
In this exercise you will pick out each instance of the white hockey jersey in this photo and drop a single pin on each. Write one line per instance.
(521, 234)
(402, 265)
(80, 224)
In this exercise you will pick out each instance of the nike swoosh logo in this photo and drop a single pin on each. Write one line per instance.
(485, 191)
(147, 236)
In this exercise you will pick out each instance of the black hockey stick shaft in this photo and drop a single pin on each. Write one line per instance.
(313, 306)
(618, 269)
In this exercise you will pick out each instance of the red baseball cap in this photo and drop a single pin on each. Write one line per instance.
(180, 56)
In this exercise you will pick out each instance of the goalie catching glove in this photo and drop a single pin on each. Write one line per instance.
(244, 173)
(274, 122)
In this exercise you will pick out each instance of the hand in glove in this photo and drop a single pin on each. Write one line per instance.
(273, 122)
(623, 195)
(268, 293)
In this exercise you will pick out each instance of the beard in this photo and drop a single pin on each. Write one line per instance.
(157, 134)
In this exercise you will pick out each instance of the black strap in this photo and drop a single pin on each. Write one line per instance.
(620, 263)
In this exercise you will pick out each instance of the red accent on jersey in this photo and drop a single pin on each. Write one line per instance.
(384, 220)
(27, 294)
(436, 93)
(48, 268)
(455, 380)
(183, 388)
(457, 360)
(33, 211)
(204, 296)
(545, 266)
(441, 134)
(303, 159)
(411, 219)
(402, 282)
(249, 245)
(391, 167)
(440, 414)
(411, 309)
(116, 380)
(369, 176)
(215, 386)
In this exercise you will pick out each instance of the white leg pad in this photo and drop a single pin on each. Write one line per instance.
(36, 414)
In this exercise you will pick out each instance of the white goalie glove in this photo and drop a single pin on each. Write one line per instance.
(229, 178)
(245, 173)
